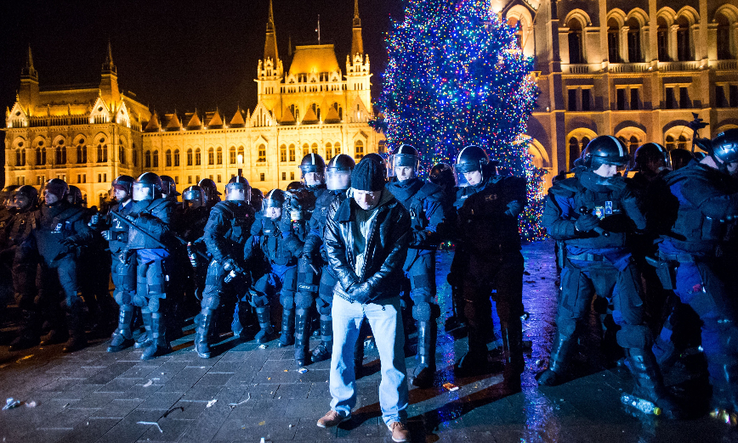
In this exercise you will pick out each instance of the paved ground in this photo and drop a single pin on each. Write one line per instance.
(247, 393)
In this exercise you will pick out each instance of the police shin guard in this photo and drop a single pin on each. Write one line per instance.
(649, 383)
(474, 362)
(144, 339)
(512, 346)
(29, 333)
(423, 375)
(123, 336)
(287, 336)
(265, 324)
(75, 324)
(325, 348)
(159, 344)
(203, 326)
(302, 336)
(555, 374)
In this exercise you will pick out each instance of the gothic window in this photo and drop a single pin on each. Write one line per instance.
(358, 149)
(292, 153)
(189, 157)
(81, 152)
(314, 148)
(576, 55)
(723, 38)
(574, 151)
(147, 159)
(682, 142)
(283, 153)
(305, 149)
(634, 41)
(670, 145)
(198, 157)
(211, 157)
(40, 156)
(135, 156)
(337, 148)
(155, 159)
(61, 153)
(613, 41)
(662, 39)
(328, 151)
(515, 24)
(102, 153)
(232, 155)
(316, 110)
(684, 50)
(240, 152)
(176, 157)
(122, 154)
(219, 156)
(20, 157)
(168, 158)
(262, 154)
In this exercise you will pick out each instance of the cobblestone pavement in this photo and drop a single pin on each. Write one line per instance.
(245, 393)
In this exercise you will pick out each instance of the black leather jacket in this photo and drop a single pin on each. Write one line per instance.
(386, 248)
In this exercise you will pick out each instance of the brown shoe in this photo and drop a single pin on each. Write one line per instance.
(332, 418)
(399, 431)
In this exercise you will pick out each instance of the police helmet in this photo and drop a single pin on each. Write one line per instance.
(680, 158)
(150, 181)
(168, 186)
(58, 187)
(406, 155)
(442, 174)
(194, 193)
(378, 159)
(725, 146)
(338, 172)
(238, 183)
(257, 196)
(472, 158)
(312, 163)
(124, 182)
(294, 186)
(274, 199)
(210, 188)
(605, 149)
(651, 152)
(28, 192)
(75, 196)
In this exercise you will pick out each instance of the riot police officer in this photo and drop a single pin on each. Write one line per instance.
(123, 273)
(25, 218)
(169, 188)
(593, 213)
(57, 238)
(190, 225)
(698, 258)
(423, 200)
(488, 209)
(225, 235)
(275, 239)
(150, 243)
(313, 266)
(211, 192)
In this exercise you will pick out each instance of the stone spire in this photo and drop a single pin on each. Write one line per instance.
(29, 71)
(357, 43)
(109, 66)
(270, 45)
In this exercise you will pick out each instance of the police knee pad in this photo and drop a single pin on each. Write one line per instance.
(422, 311)
(287, 299)
(258, 299)
(122, 297)
(303, 300)
(139, 300)
(634, 336)
(210, 300)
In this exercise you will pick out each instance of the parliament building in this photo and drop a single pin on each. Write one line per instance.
(636, 69)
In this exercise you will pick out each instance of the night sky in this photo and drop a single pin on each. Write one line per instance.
(177, 54)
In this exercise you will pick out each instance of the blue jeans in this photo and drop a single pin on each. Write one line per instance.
(386, 322)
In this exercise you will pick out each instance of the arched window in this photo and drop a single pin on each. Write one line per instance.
(135, 156)
(61, 153)
(382, 147)
(176, 157)
(189, 157)
(20, 157)
(262, 153)
(305, 149)
(122, 154)
(102, 152)
(682, 142)
(634, 144)
(314, 148)
(232, 155)
(198, 157)
(670, 145)
(684, 48)
(662, 39)
(283, 153)
(155, 159)
(576, 55)
(613, 40)
(328, 151)
(219, 156)
(81, 152)
(358, 149)
(337, 148)
(147, 159)
(211, 157)
(517, 26)
(723, 38)
(240, 152)
(574, 151)
(40, 156)
(168, 158)
(292, 153)
(635, 55)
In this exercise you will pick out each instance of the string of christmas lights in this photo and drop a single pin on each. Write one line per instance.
(455, 77)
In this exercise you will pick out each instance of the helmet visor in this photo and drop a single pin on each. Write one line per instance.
(338, 180)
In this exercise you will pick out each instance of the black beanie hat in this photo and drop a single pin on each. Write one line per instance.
(367, 176)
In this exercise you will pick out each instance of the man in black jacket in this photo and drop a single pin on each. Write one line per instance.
(366, 242)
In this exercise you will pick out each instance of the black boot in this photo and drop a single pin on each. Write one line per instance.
(475, 361)
(287, 338)
(512, 348)
(265, 324)
(123, 336)
(203, 325)
(554, 375)
(423, 375)
(29, 333)
(75, 324)
(649, 383)
(302, 336)
(144, 339)
(325, 348)
(159, 344)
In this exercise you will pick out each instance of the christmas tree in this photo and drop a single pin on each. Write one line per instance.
(456, 77)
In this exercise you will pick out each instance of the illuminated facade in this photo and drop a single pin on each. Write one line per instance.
(89, 136)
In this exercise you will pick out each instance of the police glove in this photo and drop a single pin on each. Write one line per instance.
(420, 236)
(514, 208)
(230, 264)
(361, 293)
(586, 223)
(106, 235)
(68, 243)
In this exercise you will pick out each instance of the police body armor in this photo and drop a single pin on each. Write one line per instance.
(413, 197)
(273, 243)
(319, 220)
(56, 223)
(118, 230)
(161, 209)
(21, 226)
(239, 216)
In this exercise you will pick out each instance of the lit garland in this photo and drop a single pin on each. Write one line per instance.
(456, 77)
